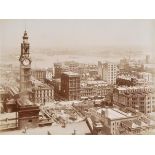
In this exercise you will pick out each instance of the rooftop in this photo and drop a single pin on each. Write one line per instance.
(39, 70)
(71, 73)
(126, 77)
(135, 124)
(145, 73)
(7, 115)
(113, 113)
(96, 82)
(14, 90)
(2, 90)
(133, 87)
(23, 101)
(79, 128)
(38, 83)
(11, 101)
(93, 83)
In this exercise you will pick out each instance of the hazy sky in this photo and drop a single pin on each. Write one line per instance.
(78, 33)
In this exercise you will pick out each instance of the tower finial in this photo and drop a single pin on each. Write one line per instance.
(25, 26)
(25, 36)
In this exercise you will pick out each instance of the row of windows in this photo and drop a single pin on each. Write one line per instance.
(74, 93)
(40, 95)
(43, 91)
(42, 100)
(92, 93)
(74, 85)
(74, 97)
(134, 90)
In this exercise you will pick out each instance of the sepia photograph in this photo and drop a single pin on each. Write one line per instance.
(77, 77)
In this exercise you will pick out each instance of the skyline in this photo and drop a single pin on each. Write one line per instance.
(79, 34)
(108, 94)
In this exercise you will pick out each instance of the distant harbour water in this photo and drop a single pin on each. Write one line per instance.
(45, 61)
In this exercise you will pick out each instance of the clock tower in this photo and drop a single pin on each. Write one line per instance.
(25, 67)
(28, 111)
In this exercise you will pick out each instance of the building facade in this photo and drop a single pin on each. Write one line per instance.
(39, 74)
(70, 85)
(49, 73)
(146, 76)
(71, 66)
(126, 80)
(111, 119)
(28, 114)
(139, 98)
(57, 70)
(42, 92)
(25, 68)
(147, 59)
(56, 84)
(120, 122)
(107, 72)
(94, 89)
(2, 99)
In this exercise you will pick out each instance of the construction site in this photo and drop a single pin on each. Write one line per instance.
(80, 117)
(62, 116)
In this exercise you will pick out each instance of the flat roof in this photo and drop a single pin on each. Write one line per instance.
(7, 115)
(113, 113)
(80, 128)
(133, 87)
(71, 73)
(38, 69)
(135, 124)
(96, 82)
(38, 83)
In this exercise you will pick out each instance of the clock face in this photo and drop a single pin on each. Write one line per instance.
(26, 62)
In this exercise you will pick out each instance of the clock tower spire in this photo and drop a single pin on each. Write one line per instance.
(25, 66)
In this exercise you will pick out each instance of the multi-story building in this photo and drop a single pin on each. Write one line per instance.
(28, 113)
(72, 66)
(115, 121)
(2, 98)
(84, 70)
(49, 73)
(146, 76)
(13, 94)
(147, 59)
(94, 88)
(153, 102)
(94, 91)
(126, 80)
(124, 66)
(107, 72)
(42, 93)
(70, 85)
(57, 70)
(138, 97)
(39, 74)
(127, 65)
(56, 84)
